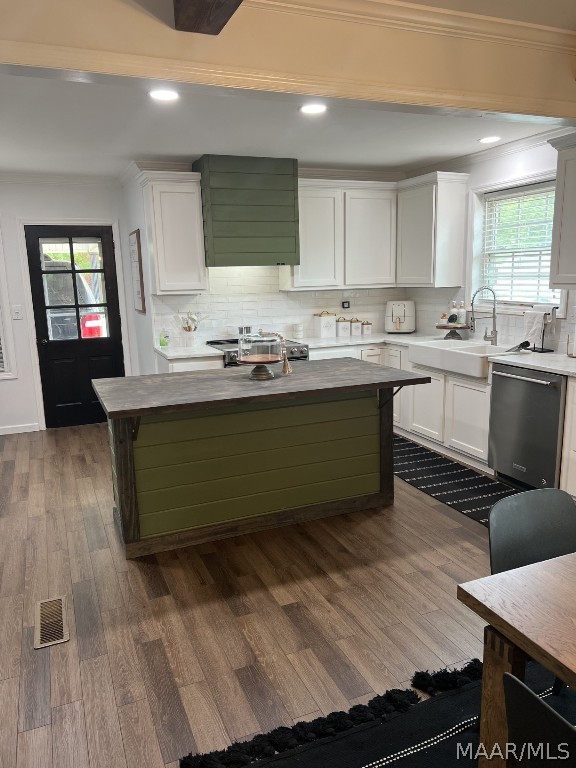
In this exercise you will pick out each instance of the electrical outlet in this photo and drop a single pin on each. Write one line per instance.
(17, 312)
(345, 305)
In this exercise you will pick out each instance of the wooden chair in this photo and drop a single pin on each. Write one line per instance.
(530, 527)
(531, 723)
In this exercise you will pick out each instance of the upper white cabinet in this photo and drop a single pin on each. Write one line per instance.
(347, 236)
(431, 240)
(370, 237)
(321, 215)
(563, 263)
(167, 208)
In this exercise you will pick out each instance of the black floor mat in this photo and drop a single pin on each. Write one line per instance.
(454, 484)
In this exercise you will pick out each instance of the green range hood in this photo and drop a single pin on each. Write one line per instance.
(250, 210)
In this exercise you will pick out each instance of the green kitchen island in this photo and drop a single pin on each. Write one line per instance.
(210, 454)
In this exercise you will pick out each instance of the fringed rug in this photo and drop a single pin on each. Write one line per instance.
(392, 730)
(454, 484)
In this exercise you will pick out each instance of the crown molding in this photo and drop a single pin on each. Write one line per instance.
(432, 178)
(493, 153)
(130, 65)
(60, 179)
(412, 17)
(564, 142)
(349, 174)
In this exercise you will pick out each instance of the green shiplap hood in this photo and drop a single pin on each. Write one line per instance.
(250, 210)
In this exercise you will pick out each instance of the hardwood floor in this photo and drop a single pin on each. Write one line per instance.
(191, 649)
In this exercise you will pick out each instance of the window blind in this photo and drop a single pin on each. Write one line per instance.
(517, 244)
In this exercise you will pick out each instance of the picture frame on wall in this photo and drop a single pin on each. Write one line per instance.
(137, 273)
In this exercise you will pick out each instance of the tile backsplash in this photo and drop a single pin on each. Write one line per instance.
(251, 296)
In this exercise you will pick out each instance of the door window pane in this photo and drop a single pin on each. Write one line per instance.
(54, 253)
(62, 324)
(90, 287)
(87, 253)
(94, 322)
(58, 289)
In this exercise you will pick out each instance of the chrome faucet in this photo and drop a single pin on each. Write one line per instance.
(492, 337)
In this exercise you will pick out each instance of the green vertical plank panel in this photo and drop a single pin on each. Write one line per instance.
(249, 189)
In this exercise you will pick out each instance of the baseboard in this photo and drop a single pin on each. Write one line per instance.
(463, 458)
(17, 428)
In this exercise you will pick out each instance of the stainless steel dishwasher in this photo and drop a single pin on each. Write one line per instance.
(526, 425)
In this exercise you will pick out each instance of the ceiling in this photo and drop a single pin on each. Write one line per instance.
(68, 123)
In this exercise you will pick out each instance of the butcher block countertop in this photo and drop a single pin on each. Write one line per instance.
(169, 392)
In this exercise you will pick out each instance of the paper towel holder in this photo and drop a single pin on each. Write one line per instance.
(549, 318)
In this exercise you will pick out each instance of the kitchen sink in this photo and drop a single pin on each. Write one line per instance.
(466, 357)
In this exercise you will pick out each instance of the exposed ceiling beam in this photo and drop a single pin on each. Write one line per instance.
(207, 17)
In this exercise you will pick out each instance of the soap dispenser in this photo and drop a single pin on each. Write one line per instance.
(461, 314)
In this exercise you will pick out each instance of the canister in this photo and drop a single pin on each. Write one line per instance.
(366, 328)
(355, 327)
(342, 327)
(325, 324)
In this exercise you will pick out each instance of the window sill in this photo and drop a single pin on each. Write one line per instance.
(517, 311)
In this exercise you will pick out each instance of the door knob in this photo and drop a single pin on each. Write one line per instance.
(44, 341)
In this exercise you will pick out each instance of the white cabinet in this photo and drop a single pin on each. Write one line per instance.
(177, 236)
(568, 468)
(326, 353)
(372, 355)
(166, 207)
(426, 405)
(563, 262)
(370, 237)
(392, 357)
(467, 414)
(431, 241)
(347, 236)
(321, 215)
(183, 364)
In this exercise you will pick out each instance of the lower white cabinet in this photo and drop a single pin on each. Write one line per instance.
(392, 357)
(372, 355)
(466, 417)
(329, 352)
(183, 364)
(426, 405)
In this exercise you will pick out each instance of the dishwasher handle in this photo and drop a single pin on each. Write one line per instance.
(525, 378)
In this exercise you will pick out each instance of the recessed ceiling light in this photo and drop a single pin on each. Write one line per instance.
(489, 140)
(164, 94)
(313, 109)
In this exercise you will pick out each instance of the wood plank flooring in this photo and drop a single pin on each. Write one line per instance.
(191, 649)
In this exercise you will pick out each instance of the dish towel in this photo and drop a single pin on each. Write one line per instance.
(534, 327)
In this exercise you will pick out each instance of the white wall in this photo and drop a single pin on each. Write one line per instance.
(41, 200)
(494, 169)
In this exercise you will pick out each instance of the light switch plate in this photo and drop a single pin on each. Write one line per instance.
(17, 312)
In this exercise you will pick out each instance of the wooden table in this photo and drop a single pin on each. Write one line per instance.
(531, 612)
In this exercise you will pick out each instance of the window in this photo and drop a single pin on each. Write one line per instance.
(517, 244)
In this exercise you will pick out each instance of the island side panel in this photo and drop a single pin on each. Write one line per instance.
(385, 401)
(195, 470)
(124, 478)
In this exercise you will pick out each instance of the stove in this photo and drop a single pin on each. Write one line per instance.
(295, 350)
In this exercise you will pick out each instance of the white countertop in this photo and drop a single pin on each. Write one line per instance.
(550, 362)
(201, 349)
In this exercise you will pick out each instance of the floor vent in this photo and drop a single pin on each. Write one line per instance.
(51, 626)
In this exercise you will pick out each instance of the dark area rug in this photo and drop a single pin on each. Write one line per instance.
(454, 484)
(432, 734)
